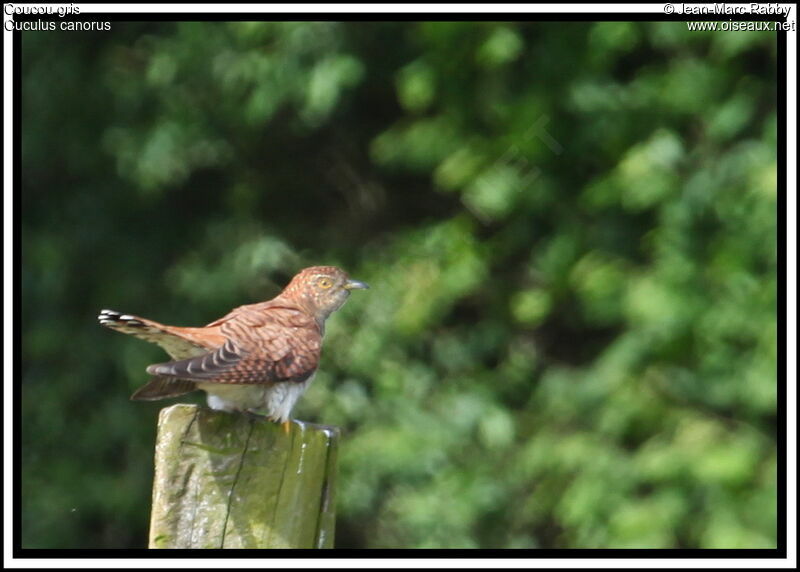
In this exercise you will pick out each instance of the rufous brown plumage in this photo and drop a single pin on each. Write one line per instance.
(258, 357)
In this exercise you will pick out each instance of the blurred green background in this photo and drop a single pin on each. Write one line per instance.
(569, 229)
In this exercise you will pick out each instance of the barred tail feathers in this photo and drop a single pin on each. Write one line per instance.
(173, 340)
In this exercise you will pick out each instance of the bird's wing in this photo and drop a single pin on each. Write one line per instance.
(279, 344)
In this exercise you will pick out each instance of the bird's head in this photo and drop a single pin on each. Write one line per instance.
(322, 289)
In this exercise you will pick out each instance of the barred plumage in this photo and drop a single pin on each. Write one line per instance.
(258, 356)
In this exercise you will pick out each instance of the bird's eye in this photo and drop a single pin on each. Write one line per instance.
(325, 283)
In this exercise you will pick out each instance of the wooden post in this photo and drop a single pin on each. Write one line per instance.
(226, 480)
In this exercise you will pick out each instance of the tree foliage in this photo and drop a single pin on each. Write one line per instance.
(569, 229)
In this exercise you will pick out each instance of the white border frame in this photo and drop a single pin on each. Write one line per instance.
(358, 563)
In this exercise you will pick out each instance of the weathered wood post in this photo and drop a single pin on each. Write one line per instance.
(227, 480)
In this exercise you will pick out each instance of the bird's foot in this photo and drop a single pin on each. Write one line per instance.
(286, 426)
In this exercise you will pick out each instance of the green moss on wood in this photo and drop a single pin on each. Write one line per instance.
(232, 481)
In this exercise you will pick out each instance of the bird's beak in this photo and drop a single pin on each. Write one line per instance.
(355, 285)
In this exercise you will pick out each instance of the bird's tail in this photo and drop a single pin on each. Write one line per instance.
(126, 323)
(163, 387)
(174, 340)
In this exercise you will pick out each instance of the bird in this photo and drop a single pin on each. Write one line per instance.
(258, 357)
